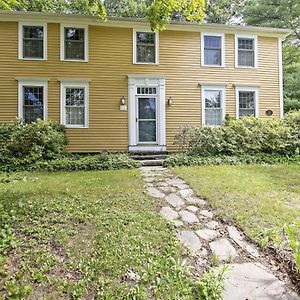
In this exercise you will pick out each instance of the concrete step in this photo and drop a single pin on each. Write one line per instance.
(149, 157)
(152, 162)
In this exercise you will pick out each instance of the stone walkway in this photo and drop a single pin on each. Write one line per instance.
(210, 241)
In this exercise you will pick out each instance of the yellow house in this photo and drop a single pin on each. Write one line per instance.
(116, 85)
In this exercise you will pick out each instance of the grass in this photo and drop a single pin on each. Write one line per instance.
(75, 236)
(260, 199)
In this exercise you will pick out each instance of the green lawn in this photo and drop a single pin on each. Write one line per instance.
(74, 235)
(255, 197)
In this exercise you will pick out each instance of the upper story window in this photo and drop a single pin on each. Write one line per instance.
(145, 47)
(246, 51)
(212, 50)
(32, 41)
(74, 104)
(247, 102)
(32, 101)
(74, 43)
(213, 105)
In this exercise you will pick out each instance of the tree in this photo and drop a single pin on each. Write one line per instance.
(158, 12)
(282, 14)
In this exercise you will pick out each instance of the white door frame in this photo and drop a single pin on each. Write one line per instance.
(137, 118)
(140, 80)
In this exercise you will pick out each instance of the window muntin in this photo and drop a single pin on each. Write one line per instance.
(33, 41)
(74, 43)
(246, 52)
(32, 103)
(146, 90)
(74, 104)
(213, 50)
(213, 107)
(246, 103)
(145, 47)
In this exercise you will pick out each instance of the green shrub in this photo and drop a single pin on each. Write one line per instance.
(76, 162)
(25, 144)
(246, 136)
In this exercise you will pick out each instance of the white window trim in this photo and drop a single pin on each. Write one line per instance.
(135, 30)
(45, 44)
(247, 89)
(74, 84)
(222, 35)
(86, 42)
(212, 87)
(32, 82)
(280, 78)
(237, 36)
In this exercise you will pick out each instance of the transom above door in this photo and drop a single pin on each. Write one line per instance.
(146, 113)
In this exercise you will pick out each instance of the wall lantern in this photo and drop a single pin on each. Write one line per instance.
(123, 106)
(170, 101)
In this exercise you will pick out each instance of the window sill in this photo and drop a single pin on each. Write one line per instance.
(75, 127)
(213, 66)
(245, 67)
(75, 60)
(145, 63)
(32, 58)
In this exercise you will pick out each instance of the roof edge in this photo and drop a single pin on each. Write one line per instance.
(135, 22)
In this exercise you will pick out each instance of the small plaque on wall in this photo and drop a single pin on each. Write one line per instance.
(269, 112)
(123, 107)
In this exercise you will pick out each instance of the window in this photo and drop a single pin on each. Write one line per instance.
(145, 47)
(213, 105)
(32, 101)
(246, 51)
(247, 101)
(74, 43)
(74, 104)
(212, 50)
(32, 41)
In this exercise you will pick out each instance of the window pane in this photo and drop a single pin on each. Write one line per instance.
(75, 116)
(246, 44)
(145, 47)
(33, 41)
(213, 99)
(212, 57)
(75, 106)
(74, 43)
(33, 103)
(213, 42)
(246, 58)
(147, 108)
(147, 131)
(246, 103)
(213, 116)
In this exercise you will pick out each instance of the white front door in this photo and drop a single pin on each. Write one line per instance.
(146, 113)
(146, 119)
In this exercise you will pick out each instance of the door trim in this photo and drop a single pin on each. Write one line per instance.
(139, 80)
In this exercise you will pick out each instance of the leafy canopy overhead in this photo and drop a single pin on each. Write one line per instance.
(158, 12)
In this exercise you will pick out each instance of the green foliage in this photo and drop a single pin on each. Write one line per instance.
(211, 285)
(8, 4)
(26, 144)
(245, 136)
(159, 13)
(293, 233)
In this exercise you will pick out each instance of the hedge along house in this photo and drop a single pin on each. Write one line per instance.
(118, 86)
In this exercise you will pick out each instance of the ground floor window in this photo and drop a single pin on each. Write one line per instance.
(213, 105)
(32, 101)
(247, 101)
(74, 104)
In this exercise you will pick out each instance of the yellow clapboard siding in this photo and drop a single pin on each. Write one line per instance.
(110, 60)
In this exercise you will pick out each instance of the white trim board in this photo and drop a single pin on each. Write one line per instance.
(246, 89)
(29, 82)
(222, 35)
(210, 87)
(76, 84)
(145, 29)
(151, 81)
(20, 40)
(62, 41)
(246, 36)
(280, 78)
